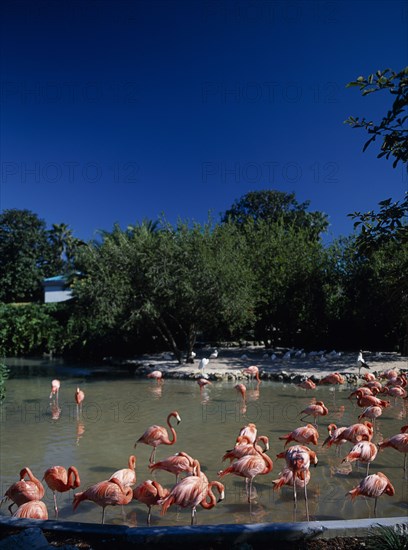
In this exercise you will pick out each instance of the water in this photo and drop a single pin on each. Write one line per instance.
(117, 411)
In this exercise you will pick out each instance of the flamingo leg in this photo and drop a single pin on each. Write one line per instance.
(375, 507)
(368, 466)
(193, 513)
(152, 456)
(294, 491)
(55, 504)
(307, 503)
(149, 515)
(103, 515)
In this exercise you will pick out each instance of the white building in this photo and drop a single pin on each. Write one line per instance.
(55, 289)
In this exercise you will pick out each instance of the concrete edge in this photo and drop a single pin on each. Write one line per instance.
(218, 535)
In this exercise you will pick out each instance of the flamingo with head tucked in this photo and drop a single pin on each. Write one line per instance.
(364, 452)
(158, 435)
(304, 434)
(176, 464)
(59, 480)
(105, 493)
(149, 492)
(23, 491)
(35, 509)
(373, 486)
(399, 442)
(315, 409)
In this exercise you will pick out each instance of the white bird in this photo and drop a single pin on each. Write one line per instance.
(203, 363)
(214, 354)
(361, 363)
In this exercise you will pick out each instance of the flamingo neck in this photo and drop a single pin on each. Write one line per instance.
(73, 478)
(173, 431)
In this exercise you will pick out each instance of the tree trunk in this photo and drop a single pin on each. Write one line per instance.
(168, 338)
(191, 340)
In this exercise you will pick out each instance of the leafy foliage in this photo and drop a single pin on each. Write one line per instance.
(3, 377)
(392, 128)
(389, 538)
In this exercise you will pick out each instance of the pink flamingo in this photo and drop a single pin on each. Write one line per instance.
(202, 382)
(315, 409)
(249, 431)
(298, 459)
(157, 375)
(149, 493)
(241, 389)
(249, 466)
(373, 486)
(55, 386)
(334, 378)
(191, 492)
(364, 452)
(304, 434)
(334, 437)
(370, 400)
(60, 480)
(105, 493)
(286, 477)
(126, 476)
(253, 371)
(175, 464)
(35, 509)
(157, 435)
(79, 397)
(245, 447)
(307, 384)
(372, 413)
(399, 442)
(23, 491)
(356, 432)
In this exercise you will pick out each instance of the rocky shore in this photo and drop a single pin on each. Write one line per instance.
(276, 366)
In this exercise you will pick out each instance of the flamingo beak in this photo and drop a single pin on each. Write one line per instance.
(221, 497)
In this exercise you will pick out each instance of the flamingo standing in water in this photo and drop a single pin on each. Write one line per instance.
(193, 491)
(55, 386)
(307, 384)
(334, 378)
(399, 442)
(298, 459)
(373, 486)
(253, 371)
(23, 491)
(105, 493)
(356, 432)
(315, 409)
(60, 480)
(249, 466)
(176, 464)
(372, 413)
(305, 434)
(149, 492)
(35, 509)
(157, 375)
(245, 447)
(334, 437)
(364, 452)
(79, 397)
(157, 435)
(202, 382)
(127, 476)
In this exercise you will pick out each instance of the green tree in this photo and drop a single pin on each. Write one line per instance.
(273, 206)
(23, 255)
(179, 280)
(63, 248)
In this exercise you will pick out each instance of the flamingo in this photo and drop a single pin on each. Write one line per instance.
(298, 459)
(286, 477)
(307, 384)
(157, 435)
(35, 509)
(369, 377)
(127, 476)
(23, 491)
(149, 492)
(157, 375)
(253, 371)
(315, 409)
(399, 442)
(356, 432)
(334, 435)
(60, 480)
(79, 397)
(249, 431)
(249, 466)
(241, 389)
(304, 434)
(373, 486)
(175, 464)
(372, 413)
(55, 386)
(245, 447)
(370, 400)
(105, 493)
(334, 378)
(364, 452)
(202, 382)
(192, 491)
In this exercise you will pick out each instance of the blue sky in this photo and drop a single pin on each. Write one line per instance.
(119, 111)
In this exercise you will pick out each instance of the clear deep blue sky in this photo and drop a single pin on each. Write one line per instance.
(119, 111)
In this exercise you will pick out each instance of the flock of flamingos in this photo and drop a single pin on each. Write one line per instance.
(248, 457)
